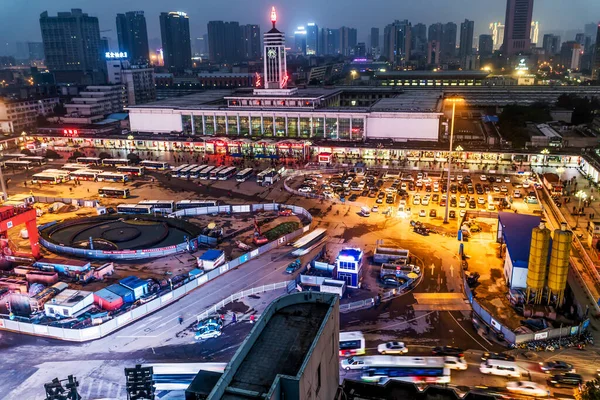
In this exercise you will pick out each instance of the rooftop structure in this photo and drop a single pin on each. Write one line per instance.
(290, 353)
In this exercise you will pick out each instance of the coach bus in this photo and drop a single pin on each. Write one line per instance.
(114, 162)
(226, 173)
(72, 167)
(185, 204)
(14, 156)
(112, 177)
(260, 177)
(89, 160)
(114, 192)
(352, 343)
(46, 177)
(185, 173)
(85, 175)
(214, 174)
(131, 170)
(63, 174)
(177, 170)
(156, 165)
(160, 206)
(17, 164)
(134, 209)
(35, 160)
(407, 369)
(195, 173)
(243, 175)
(205, 173)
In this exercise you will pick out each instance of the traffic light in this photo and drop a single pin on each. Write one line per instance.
(140, 385)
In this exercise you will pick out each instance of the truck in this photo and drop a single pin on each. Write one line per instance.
(389, 254)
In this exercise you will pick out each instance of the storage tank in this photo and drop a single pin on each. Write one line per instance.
(537, 269)
(559, 263)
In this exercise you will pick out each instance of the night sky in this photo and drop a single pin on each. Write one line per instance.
(19, 18)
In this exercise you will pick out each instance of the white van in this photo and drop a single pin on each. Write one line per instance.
(500, 368)
(365, 211)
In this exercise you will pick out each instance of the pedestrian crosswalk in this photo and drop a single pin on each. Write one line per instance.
(101, 389)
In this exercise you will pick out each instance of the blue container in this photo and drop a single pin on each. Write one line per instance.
(126, 294)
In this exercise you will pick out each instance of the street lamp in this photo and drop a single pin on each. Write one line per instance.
(452, 100)
(581, 196)
(544, 152)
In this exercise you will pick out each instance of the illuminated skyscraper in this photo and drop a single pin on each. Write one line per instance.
(466, 38)
(497, 32)
(300, 40)
(312, 39)
(535, 32)
(517, 27)
(175, 34)
(133, 36)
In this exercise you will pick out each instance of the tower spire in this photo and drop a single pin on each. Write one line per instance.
(273, 16)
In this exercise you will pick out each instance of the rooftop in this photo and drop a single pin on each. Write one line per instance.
(211, 254)
(279, 344)
(410, 101)
(431, 74)
(355, 254)
(63, 261)
(133, 282)
(69, 297)
(516, 230)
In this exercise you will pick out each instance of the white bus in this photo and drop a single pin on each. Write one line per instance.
(85, 175)
(14, 156)
(157, 165)
(131, 170)
(46, 177)
(114, 162)
(185, 173)
(309, 237)
(160, 206)
(89, 160)
(177, 169)
(72, 167)
(214, 174)
(114, 192)
(63, 174)
(408, 369)
(18, 164)
(195, 173)
(243, 175)
(35, 160)
(205, 173)
(112, 177)
(260, 177)
(226, 173)
(185, 204)
(134, 209)
(352, 343)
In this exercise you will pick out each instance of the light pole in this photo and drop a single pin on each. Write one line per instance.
(581, 196)
(452, 100)
(545, 153)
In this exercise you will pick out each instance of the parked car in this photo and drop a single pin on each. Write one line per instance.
(527, 388)
(422, 213)
(433, 213)
(305, 189)
(208, 332)
(392, 348)
(375, 208)
(452, 214)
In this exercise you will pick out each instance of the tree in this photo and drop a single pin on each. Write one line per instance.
(60, 110)
(590, 391)
(133, 158)
(76, 154)
(27, 152)
(104, 155)
(513, 121)
(53, 155)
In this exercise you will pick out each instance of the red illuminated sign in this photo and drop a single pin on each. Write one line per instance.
(71, 132)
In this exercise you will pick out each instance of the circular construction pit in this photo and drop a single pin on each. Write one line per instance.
(121, 234)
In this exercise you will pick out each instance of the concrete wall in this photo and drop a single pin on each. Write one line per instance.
(403, 126)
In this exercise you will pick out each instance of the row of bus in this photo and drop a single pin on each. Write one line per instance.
(15, 161)
(122, 162)
(381, 368)
(163, 206)
(56, 176)
(221, 173)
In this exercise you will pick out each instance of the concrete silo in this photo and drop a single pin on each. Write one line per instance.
(559, 263)
(537, 268)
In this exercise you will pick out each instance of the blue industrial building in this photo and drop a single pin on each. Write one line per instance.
(514, 231)
(137, 285)
(349, 266)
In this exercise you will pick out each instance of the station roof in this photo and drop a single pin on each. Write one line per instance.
(516, 231)
(431, 74)
(410, 101)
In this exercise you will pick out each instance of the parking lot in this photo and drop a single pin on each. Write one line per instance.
(423, 196)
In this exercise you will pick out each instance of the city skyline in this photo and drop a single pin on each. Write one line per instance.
(16, 27)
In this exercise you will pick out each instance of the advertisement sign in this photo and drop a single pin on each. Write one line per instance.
(540, 336)
(118, 251)
(574, 330)
(115, 55)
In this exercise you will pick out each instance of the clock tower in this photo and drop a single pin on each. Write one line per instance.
(275, 66)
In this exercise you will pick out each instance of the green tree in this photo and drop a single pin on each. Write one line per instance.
(27, 152)
(513, 121)
(104, 155)
(590, 391)
(133, 158)
(52, 155)
(76, 154)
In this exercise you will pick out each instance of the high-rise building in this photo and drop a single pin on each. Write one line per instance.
(138, 80)
(348, 40)
(216, 41)
(251, 48)
(596, 63)
(329, 40)
(300, 40)
(200, 46)
(397, 41)
(175, 34)
(133, 36)
(71, 42)
(486, 45)
(580, 38)
(551, 44)
(467, 29)
(418, 39)
(360, 50)
(374, 40)
(435, 32)
(36, 50)
(497, 32)
(433, 52)
(275, 64)
(589, 30)
(570, 55)
(449, 41)
(226, 41)
(535, 32)
(104, 45)
(517, 27)
(312, 39)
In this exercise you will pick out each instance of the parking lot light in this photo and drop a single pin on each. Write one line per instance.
(452, 100)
